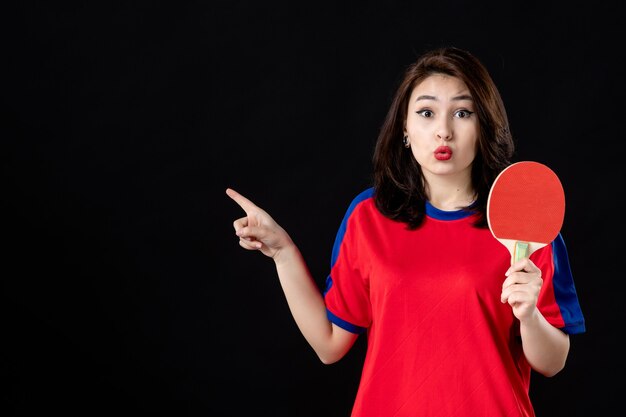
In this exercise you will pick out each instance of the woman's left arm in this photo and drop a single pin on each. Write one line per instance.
(545, 346)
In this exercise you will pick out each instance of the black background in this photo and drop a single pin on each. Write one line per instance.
(125, 290)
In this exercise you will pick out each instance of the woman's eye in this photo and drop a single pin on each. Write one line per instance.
(463, 113)
(425, 113)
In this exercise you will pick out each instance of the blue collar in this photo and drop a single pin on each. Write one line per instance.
(435, 213)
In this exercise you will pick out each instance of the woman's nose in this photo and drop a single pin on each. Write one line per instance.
(444, 131)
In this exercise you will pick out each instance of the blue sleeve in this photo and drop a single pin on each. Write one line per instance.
(564, 289)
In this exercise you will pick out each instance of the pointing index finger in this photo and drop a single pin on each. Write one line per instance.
(243, 202)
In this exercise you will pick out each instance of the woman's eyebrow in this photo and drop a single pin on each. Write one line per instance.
(463, 97)
(457, 98)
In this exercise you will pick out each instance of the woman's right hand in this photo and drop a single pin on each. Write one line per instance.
(257, 230)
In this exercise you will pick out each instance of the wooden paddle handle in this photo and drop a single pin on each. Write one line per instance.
(520, 251)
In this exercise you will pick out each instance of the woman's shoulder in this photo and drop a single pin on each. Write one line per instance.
(364, 195)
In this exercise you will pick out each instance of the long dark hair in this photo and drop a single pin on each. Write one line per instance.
(398, 180)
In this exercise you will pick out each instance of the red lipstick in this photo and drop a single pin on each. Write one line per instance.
(443, 153)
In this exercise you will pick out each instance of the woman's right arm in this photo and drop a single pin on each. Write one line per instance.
(258, 231)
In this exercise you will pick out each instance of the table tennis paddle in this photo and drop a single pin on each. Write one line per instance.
(525, 208)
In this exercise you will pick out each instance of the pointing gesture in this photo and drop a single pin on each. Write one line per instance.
(257, 230)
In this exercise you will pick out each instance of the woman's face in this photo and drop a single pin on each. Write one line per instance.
(442, 127)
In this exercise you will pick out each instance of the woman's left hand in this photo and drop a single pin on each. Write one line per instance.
(521, 288)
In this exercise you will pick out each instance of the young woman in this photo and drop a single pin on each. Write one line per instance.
(453, 329)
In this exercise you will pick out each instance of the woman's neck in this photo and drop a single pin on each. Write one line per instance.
(451, 195)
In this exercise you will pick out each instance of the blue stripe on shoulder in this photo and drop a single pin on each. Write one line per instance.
(564, 289)
(344, 324)
(364, 195)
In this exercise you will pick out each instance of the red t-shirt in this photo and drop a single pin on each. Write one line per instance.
(440, 342)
